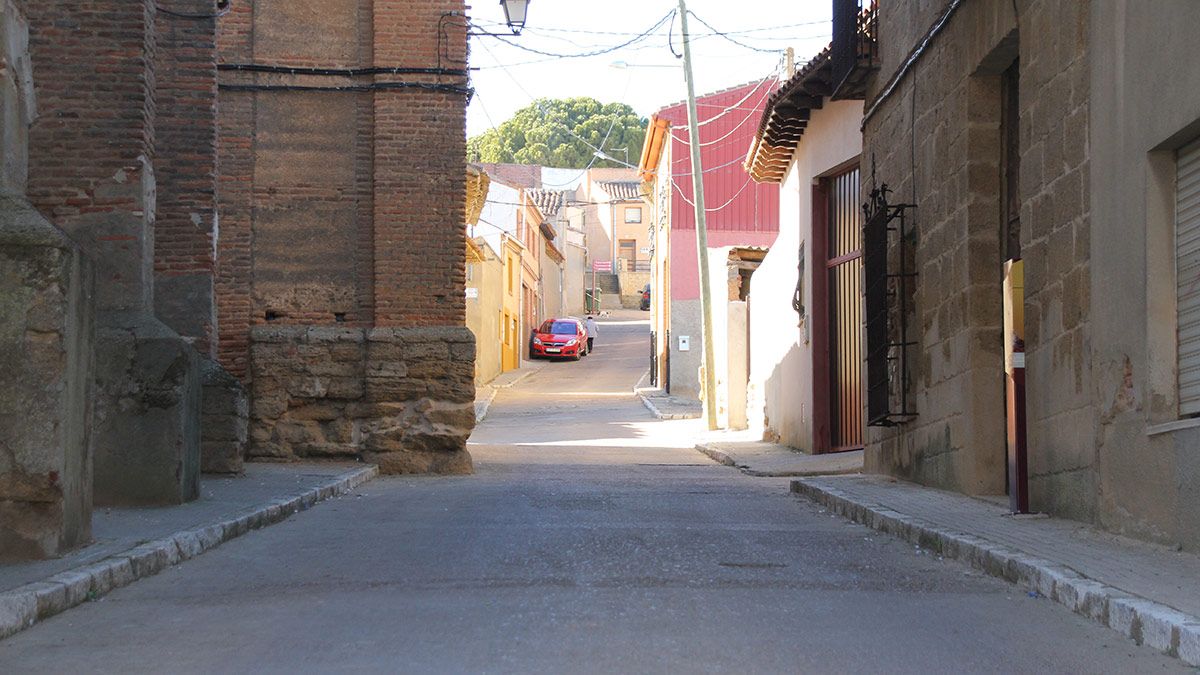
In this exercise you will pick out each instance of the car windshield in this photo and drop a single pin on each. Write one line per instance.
(558, 327)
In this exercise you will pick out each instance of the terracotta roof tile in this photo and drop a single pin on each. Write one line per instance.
(549, 202)
(623, 190)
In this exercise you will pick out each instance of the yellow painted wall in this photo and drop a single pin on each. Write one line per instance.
(484, 313)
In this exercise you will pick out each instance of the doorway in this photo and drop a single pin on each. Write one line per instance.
(628, 253)
(838, 315)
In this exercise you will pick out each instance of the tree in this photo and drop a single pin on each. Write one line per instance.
(548, 133)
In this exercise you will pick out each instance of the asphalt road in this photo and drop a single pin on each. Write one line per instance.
(591, 539)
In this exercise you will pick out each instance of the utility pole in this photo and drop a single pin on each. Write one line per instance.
(710, 375)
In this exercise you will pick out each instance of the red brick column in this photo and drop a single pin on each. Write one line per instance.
(92, 145)
(185, 76)
(420, 168)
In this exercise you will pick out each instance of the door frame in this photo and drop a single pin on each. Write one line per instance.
(822, 326)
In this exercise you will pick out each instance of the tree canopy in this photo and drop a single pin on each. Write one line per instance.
(542, 134)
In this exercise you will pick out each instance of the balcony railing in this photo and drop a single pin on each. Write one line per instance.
(855, 53)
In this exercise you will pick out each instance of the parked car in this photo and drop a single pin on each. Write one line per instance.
(646, 298)
(560, 338)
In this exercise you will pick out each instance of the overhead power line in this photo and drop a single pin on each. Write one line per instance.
(637, 38)
(742, 31)
(727, 37)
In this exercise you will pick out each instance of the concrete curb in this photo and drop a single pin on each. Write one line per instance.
(646, 401)
(535, 367)
(721, 457)
(1144, 621)
(24, 606)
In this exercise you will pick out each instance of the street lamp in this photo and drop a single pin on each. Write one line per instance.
(515, 12)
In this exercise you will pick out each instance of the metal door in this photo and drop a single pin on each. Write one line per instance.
(844, 269)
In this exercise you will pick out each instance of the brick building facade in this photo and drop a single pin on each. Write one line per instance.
(310, 238)
(341, 275)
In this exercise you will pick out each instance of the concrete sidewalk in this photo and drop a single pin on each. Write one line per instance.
(760, 458)
(1146, 592)
(132, 543)
(668, 407)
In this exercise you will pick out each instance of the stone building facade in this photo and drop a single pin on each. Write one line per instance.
(46, 340)
(342, 153)
(1011, 126)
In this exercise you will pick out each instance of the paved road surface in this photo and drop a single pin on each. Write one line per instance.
(592, 539)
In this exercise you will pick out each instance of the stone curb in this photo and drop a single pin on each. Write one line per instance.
(484, 404)
(1144, 621)
(24, 606)
(721, 457)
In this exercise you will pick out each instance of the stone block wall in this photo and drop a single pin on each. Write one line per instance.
(1056, 225)
(632, 284)
(224, 420)
(936, 142)
(46, 342)
(402, 398)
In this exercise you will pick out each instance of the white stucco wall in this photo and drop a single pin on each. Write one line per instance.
(781, 359)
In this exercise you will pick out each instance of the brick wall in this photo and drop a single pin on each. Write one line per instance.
(936, 142)
(341, 201)
(347, 211)
(185, 165)
(92, 145)
(419, 170)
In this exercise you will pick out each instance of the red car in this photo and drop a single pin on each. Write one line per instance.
(557, 338)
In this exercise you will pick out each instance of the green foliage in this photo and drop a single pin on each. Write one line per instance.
(541, 134)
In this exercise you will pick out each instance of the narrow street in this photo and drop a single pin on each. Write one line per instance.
(592, 538)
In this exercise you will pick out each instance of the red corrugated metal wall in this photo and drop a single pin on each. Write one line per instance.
(735, 202)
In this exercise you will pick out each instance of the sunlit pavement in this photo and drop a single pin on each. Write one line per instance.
(592, 538)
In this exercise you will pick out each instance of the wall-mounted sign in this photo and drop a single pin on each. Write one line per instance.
(472, 293)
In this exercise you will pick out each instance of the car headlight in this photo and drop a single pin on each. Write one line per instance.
(572, 343)
(537, 341)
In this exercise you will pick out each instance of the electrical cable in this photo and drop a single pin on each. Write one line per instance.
(671, 38)
(608, 50)
(753, 112)
(569, 131)
(730, 39)
(374, 86)
(716, 208)
(223, 9)
(627, 33)
(337, 72)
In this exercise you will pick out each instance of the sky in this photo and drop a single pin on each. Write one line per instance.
(508, 77)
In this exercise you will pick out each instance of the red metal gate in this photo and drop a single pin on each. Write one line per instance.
(845, 312)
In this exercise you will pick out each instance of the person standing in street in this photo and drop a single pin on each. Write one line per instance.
(592, 331)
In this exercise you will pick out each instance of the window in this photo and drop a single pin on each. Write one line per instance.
(509, 268)
(1187, 276)
(633, 214)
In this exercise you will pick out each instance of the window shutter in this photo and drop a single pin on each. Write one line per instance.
(1187, 275)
